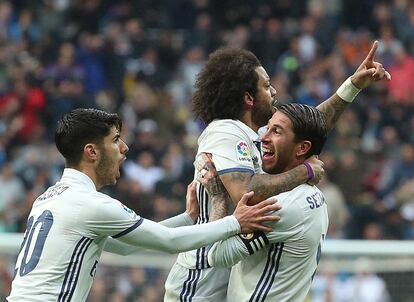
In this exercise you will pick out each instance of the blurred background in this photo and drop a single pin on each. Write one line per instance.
(140, 58)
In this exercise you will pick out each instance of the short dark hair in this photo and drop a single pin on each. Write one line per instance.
(308, 124)
(220, 86)
(80, 127)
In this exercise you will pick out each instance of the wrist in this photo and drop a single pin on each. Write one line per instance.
(348, 91)
(193, 215)
(311, 173)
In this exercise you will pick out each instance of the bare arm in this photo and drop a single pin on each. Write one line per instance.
(267, 185)
(263, 185)
(333, 108)
(367, 73)
(232, 186)
(220, 206)
(219, 197)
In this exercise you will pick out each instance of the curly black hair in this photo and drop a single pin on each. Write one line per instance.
(222, 83)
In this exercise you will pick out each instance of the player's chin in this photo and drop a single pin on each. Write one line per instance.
(268, 164)
(115, 178)
(113, 181)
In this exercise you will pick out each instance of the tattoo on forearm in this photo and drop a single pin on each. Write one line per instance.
(265, 185)
(215, 187)
(220, 206)
(332, 108)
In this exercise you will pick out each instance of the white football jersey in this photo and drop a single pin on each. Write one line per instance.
(233, 147)
(277, 266)
(68, 228)
(79, 219)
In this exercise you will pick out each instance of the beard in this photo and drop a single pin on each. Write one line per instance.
(262, 112)
(104, 169)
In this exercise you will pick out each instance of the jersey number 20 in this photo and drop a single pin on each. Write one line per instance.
(34, 239)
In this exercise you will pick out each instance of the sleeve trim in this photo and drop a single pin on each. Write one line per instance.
(221, 172)
(130, 229)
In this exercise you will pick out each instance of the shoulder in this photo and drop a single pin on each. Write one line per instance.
(102, 204)
(295, 193)
(225, 126)
(301, 196)
(224, 131)
(101, 198)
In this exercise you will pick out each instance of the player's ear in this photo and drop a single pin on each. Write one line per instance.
(303, 148)
(248, 100)
(91, 151)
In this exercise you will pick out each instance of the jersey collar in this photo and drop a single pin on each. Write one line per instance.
(249, 131)
(252, 134)
(73, 174)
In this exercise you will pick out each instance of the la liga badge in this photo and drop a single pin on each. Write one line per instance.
(243, 152)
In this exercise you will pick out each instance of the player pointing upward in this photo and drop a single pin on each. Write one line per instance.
(234, 98)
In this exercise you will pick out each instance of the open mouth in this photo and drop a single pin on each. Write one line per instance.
(267, 153)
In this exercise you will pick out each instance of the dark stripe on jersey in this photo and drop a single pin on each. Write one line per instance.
(194, 285)
(72, 290)
(79, 249)
(185, 288)
(201, 255)
(200, 220)
(231, 170)
(268, 274)
(130, 229)
(276, 268)
(188, 291)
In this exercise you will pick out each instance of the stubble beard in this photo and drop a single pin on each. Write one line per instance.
(103, 170)
(262, 112)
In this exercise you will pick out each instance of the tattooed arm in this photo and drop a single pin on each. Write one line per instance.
(220, 206)
(333, 108)
(367, 73)
(263, 185)
(220, 197)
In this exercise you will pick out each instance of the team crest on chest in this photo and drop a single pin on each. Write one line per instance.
(243, 152)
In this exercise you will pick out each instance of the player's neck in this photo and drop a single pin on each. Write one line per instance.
(294, 163)
(89, 170)
(247, 119)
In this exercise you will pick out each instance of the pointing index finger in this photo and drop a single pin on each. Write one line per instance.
(371, 54)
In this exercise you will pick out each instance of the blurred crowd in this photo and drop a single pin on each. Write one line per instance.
(140, 58)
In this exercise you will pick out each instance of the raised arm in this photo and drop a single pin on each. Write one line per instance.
(367, 73)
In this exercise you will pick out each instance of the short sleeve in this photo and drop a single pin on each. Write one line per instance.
(231, 150)
(110, 217)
